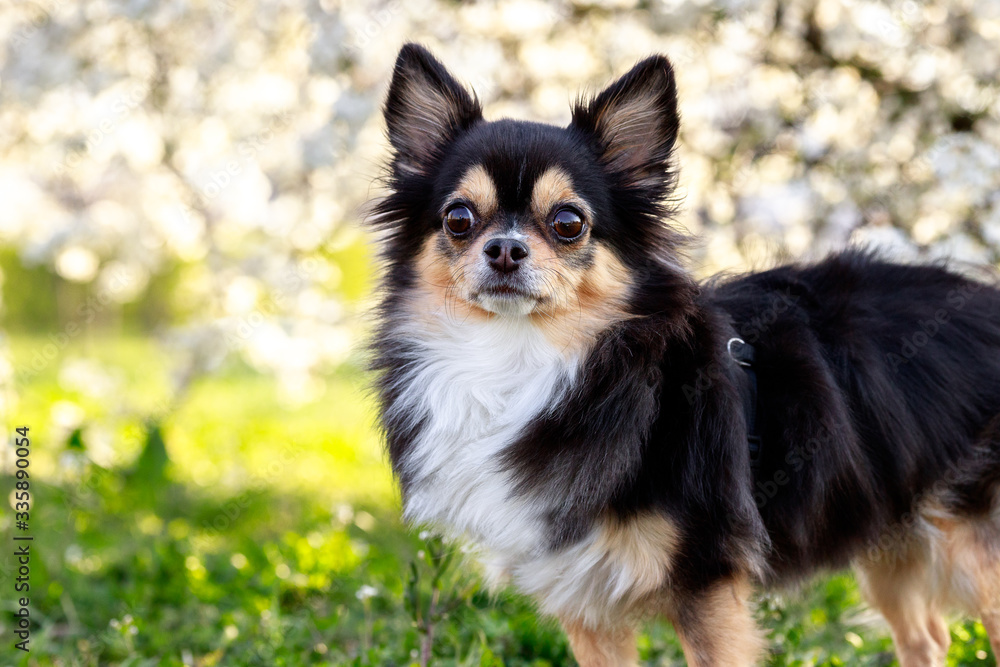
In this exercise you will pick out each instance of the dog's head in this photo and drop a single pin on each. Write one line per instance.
(518, 219)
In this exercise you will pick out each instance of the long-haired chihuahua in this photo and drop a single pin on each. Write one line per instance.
(619, 440)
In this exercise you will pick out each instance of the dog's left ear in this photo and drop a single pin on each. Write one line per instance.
(426, 109)
(634, 123)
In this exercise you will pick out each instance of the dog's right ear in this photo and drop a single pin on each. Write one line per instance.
(426, 108)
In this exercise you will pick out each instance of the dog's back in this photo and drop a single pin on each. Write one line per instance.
(879, 386)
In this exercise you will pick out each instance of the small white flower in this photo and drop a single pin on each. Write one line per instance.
(424, 534)
(366, 592)
(74, 554)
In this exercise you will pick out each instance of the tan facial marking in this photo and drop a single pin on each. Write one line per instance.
(718, 628)
(439, 286)
(575, 304)
(584, 301)
(543, 255)
(554, 187)
(478, 188)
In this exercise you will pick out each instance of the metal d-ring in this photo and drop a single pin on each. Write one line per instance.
(729, 348)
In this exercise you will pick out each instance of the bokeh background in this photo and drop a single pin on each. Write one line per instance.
(185, 276)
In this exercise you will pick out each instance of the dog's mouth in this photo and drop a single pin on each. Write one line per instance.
(507, 298)
(509, 292)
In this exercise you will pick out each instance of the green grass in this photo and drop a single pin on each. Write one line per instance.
(270, 537)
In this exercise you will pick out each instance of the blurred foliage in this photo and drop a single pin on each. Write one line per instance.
(183, 282)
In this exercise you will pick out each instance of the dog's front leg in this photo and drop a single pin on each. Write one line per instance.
(601, 647)
(716, 626)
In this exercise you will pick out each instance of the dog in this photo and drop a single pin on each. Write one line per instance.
(618, 440)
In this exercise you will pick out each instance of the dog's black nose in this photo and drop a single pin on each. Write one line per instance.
(505, 254)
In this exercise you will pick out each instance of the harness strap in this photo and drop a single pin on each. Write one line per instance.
(744, 354)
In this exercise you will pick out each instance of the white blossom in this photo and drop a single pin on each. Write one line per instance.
(366, 592)
(233, 144)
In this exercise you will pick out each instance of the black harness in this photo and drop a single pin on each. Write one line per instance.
(744, 354)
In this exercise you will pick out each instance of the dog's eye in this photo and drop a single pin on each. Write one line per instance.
(458, 219)
(567, 223)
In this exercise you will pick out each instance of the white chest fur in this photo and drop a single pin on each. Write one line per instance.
(475, 386)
